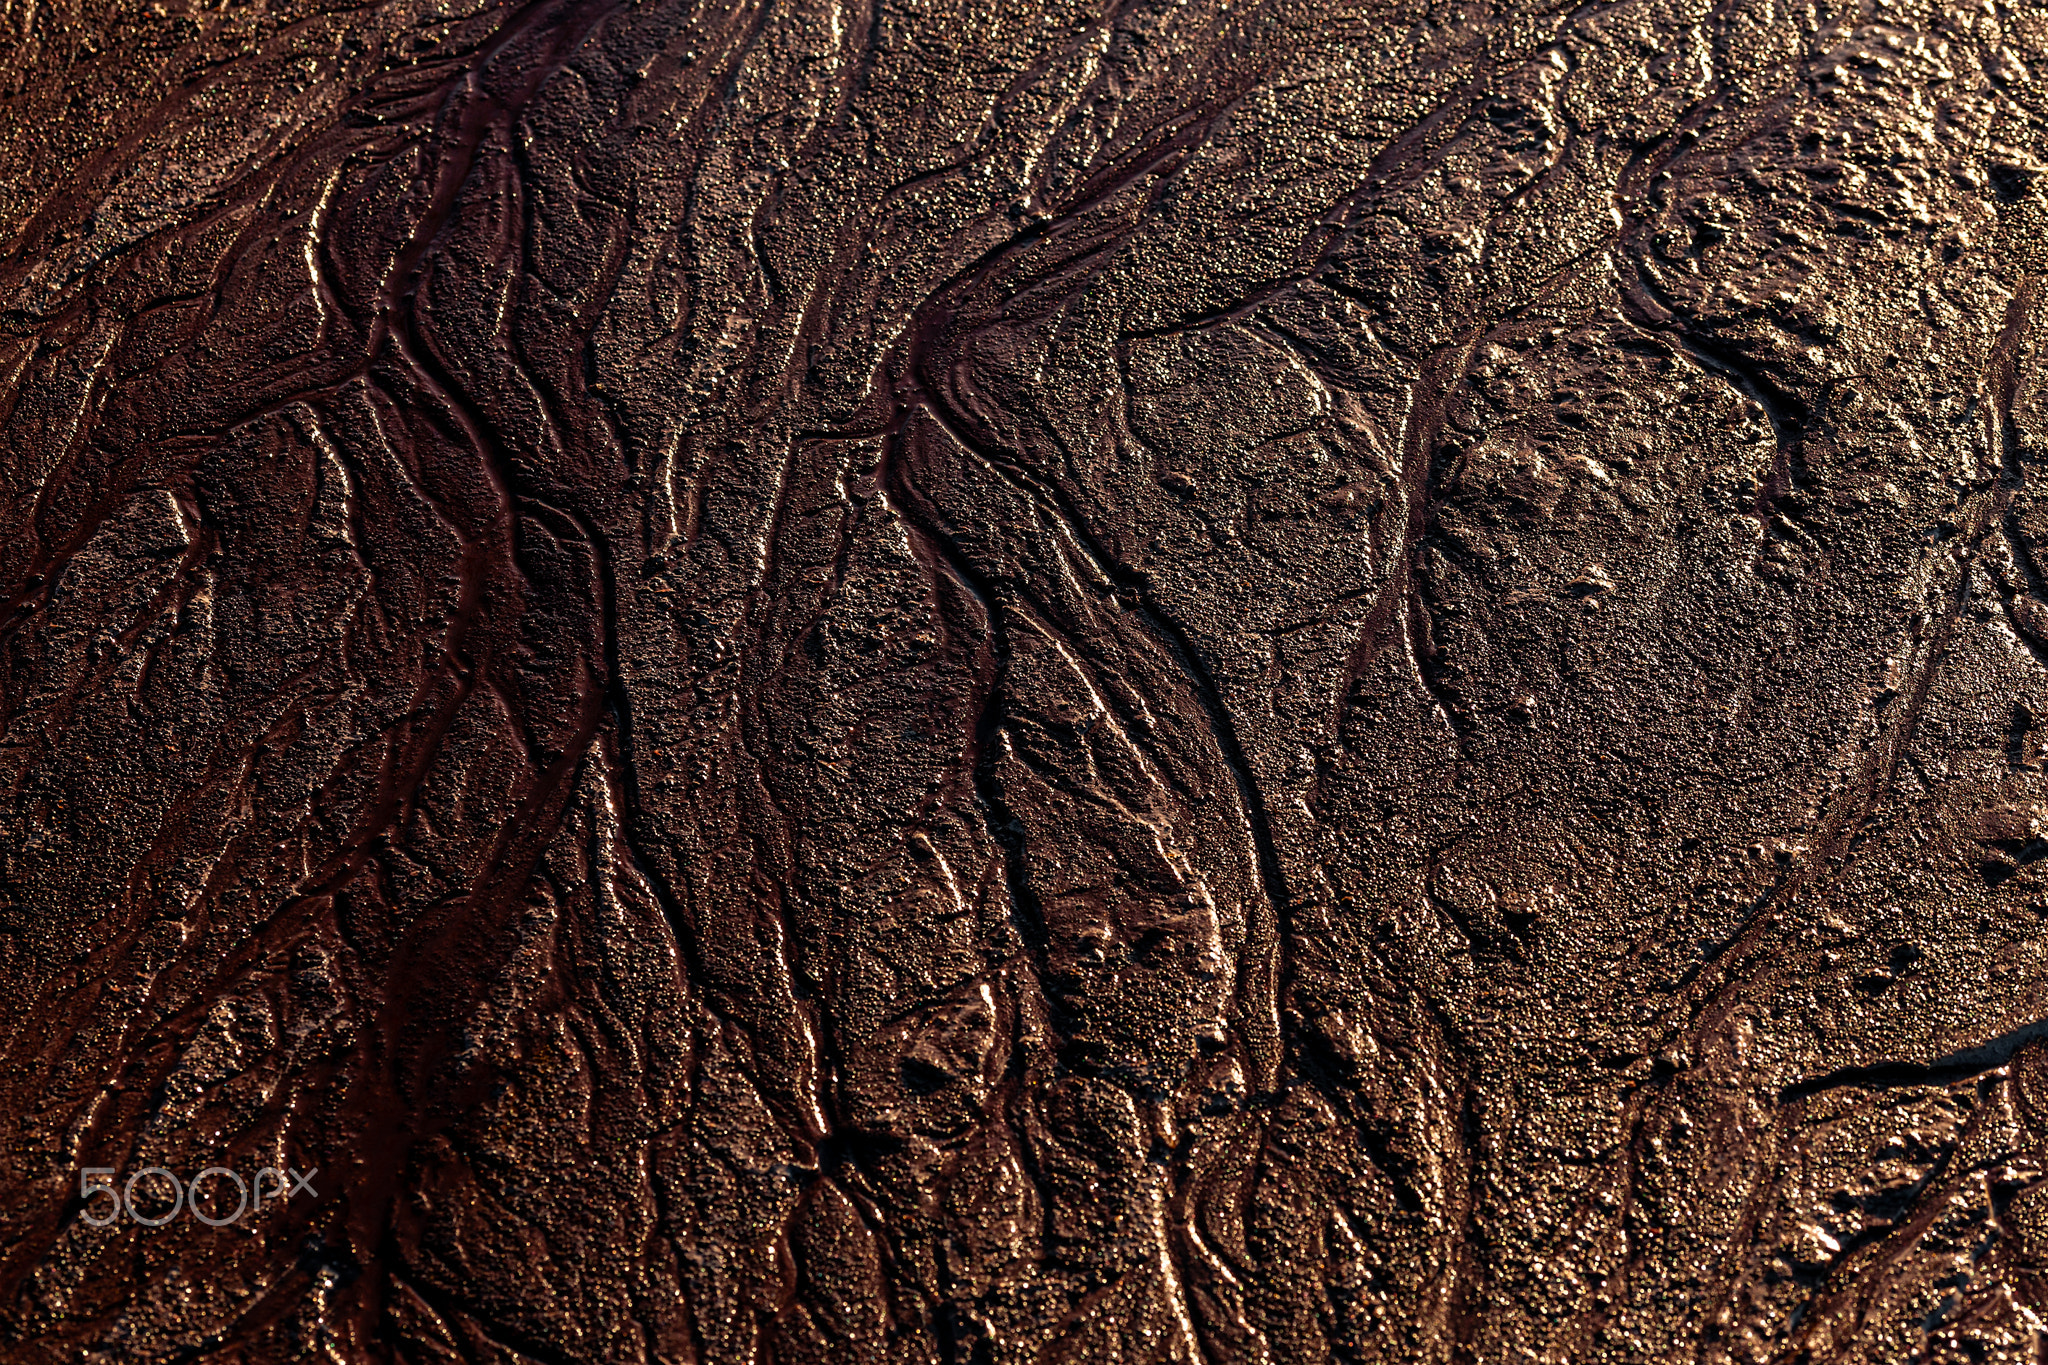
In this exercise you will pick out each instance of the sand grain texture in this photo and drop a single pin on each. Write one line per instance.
(1012, 684)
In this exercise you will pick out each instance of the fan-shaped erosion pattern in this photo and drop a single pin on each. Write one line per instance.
(1006, 683)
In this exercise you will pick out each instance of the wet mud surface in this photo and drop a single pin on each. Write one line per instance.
(1198, 682)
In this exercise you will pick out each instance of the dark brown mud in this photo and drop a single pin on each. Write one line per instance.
(1197, 682)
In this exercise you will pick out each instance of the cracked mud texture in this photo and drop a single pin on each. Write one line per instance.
(1197, 682)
